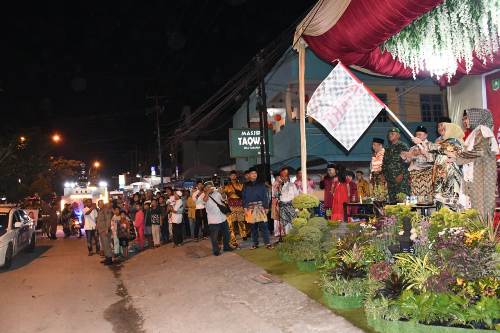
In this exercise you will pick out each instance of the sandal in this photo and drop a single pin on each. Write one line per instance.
(253, 247)
(269, 246)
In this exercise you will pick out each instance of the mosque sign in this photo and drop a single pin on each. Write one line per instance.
(245, 142)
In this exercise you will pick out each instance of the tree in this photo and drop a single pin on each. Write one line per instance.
(61, 170)
(41, 186)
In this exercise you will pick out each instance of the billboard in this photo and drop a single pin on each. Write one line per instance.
(245, 142)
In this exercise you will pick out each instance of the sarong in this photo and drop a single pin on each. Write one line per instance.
(422, 185)
(287, 213)
(255, 213)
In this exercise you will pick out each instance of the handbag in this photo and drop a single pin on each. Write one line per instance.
(224, 208)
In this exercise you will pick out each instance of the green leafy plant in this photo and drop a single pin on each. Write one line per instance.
(427, 308)
(416, 269)
(392, 286)
(304, 213)
(485, 311)
(342, 287)
(299, 222)
(305, 201)
(382, 308)
(401, 197)
(446, 219)
(371, 254)
(488, 224)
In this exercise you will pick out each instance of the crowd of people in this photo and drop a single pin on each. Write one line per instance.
(148, 219)
(457, 171)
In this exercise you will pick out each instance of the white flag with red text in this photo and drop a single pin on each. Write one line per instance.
(344, 106)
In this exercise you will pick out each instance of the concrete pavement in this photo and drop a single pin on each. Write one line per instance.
(61, 289)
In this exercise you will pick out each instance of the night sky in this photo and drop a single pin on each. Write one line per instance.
(85, 68)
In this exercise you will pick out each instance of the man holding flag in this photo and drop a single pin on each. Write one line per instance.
(346, 108)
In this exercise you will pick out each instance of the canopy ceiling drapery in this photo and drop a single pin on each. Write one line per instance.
(364, 25)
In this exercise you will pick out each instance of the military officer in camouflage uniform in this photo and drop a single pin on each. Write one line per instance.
(394, 169)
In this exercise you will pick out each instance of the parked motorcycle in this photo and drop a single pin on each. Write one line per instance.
(76, 227)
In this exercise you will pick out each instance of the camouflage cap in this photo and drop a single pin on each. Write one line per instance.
(395, 130)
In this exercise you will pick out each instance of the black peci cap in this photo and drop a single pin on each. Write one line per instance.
(444, 120)
(378, 140)
(421, 128)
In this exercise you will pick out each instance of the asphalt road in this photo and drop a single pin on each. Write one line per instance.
(58, 288)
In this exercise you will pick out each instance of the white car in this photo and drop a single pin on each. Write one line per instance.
(17, 232)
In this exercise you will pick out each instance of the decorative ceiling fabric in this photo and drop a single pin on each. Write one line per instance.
(356, 37)
(321, 18)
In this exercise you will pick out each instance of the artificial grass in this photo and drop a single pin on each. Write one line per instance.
(307, 282)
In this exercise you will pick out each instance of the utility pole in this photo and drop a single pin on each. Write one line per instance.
(262, 107)
(158, 109)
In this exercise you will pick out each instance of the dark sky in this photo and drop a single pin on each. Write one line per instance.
(85, 68)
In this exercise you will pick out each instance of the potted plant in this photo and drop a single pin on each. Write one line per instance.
(345, 284)
(307, 248)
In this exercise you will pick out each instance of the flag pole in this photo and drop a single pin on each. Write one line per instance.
(302, 115)
(398, 122)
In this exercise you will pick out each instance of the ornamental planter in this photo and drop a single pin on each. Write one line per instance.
(387, 326)
(306, 266)
(342, 302)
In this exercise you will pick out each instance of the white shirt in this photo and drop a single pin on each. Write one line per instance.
(214, 215)
(288, 192)
(176, 217)
(200, 204)
(90, 219)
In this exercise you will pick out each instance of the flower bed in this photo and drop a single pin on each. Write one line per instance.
(446, 281)
(413, 273)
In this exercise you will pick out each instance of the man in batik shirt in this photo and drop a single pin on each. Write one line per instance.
(234, 192)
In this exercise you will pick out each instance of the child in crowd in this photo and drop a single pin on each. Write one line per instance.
(124, 233)
(115, 222)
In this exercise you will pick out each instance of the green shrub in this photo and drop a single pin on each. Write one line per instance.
(308, 244)
(305, 201)
(304, 213)
(320, 223)
(310, 234)
(299, 222)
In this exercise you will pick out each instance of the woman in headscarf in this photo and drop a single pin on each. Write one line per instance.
(447, 176)
(479, 162)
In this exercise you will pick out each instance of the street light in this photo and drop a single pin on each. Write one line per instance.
(56, 138)
(97, 164)
(22, 139)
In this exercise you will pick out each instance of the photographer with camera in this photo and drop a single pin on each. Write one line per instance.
(217, 211)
